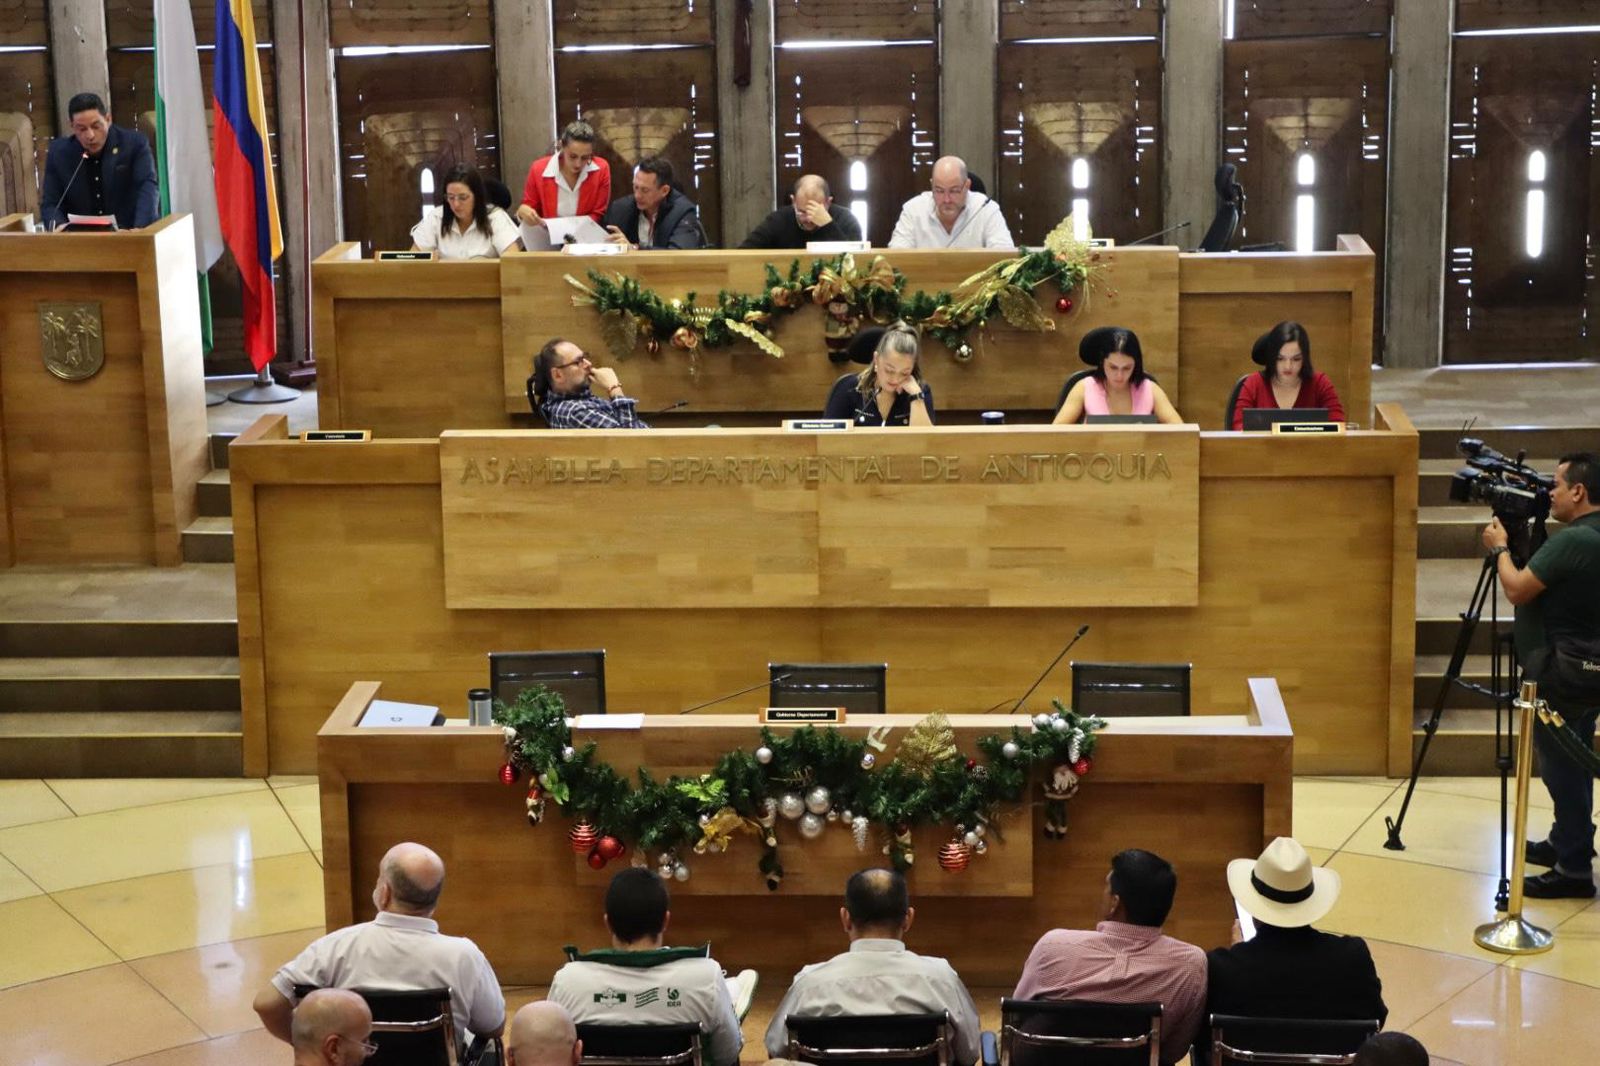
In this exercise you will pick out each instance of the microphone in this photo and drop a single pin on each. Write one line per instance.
(1062, 655)
(671, 407)
(1159, 233)
(731, 695)
(82, 159)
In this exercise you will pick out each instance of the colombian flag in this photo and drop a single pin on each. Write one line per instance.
(247, 200)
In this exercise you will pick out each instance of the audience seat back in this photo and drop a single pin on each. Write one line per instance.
(912, 1039)
(1077, 1032)
(1238, 1040)
(640, 1045)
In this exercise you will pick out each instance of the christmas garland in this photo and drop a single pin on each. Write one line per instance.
(814, 777)
(852, 295)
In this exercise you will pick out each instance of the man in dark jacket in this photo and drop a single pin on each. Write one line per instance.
(657, 215)
(1288, 969)
(812, 217)
(100, 169)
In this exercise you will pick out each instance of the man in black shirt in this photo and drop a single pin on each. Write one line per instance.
(1557, 597)
(100, 169)
(811, 217)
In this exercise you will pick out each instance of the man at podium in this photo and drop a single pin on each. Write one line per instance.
(100, 169)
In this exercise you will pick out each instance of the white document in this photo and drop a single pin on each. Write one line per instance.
(608, 721)
(837, 247)
(579, 229)
(535, 238)
(1247, 924)
(383, 714)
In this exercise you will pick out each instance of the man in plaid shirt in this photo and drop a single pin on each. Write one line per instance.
(563, 390)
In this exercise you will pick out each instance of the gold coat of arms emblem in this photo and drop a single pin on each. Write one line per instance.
(72, 339)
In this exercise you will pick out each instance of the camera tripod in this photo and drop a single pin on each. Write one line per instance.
(1502, 687)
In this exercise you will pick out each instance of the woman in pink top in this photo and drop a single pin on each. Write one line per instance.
(1119, 385)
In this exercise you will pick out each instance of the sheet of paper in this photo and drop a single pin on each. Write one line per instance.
(1247, 924)
(580, 229)
(608, 721)
(535, 238)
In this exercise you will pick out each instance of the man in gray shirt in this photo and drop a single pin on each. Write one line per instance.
(878, 975)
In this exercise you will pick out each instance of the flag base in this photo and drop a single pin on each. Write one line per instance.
(263, 390)
(215, 399)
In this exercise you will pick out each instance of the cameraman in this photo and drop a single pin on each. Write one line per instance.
(1557, 597)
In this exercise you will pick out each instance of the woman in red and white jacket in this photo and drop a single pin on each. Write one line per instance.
(1287, 378)
(569, 182)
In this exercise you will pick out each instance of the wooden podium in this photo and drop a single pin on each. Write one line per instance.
(414, 349)
(1196, 791)
(102, 394)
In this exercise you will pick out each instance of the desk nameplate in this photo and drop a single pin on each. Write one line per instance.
(762, 518)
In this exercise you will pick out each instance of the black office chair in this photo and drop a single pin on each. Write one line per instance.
(1233, 400)
(497, 193)
(914, 1039)
(1236, 1040)
(641, 1045)
(1230, 205)
(857, 687)
(578, 677)
(1130, 690)
(416, 1029)
(1071, 1032)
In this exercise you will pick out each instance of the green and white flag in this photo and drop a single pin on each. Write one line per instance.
(183, 147)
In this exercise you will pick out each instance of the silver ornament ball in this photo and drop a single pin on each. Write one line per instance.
(868, 760)
(763, 755)
(1060, 725)
(680, 872)
(1010, 750)
(812, 825)
(1041, 720)
(971, 838)
(791, 806)
(818, 800)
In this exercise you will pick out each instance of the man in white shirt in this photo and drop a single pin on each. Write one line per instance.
(951, 215)
(400, 950)
(878, 975)
(640, 982)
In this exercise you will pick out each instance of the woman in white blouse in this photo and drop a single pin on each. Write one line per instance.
(468, 226)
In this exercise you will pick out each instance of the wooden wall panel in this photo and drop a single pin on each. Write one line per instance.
(401, 113)
(27, 124)
(1277, 106)
(1305, 18)
(849, 20)
(1021, 19)
(582, 22)
(648, 103)
(410, 22)
(1100, 102)
(132, 24)
(829, 117)
(24, 23)
(1500, 304)
(70, 490)
(367, 537)
(1516, 14)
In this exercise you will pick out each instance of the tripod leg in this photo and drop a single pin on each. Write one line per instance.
(1469, 623)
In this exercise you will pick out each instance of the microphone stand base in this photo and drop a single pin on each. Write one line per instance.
(1514, 936)
(263, 390)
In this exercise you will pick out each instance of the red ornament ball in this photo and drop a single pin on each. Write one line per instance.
(972, 764)
(1064, 305)
(597, 861)
(955, 856)
(509, 774)
(583, 837)
(1081, 767)
(610, 847)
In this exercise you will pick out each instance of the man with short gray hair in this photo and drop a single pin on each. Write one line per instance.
(951, 215)
(331, 1027)
(399, 950)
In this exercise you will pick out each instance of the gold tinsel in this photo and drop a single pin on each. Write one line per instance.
(930, 742)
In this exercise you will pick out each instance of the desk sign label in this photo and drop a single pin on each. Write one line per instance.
(404, 257)
(1284, 429)
(331, 435)
(768, 518)
(816, 424)
(802, 716)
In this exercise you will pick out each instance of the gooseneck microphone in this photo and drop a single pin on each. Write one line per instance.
(671, 407)
(1158, 233)
(82, 159)
(1040, 679)
(731, 695)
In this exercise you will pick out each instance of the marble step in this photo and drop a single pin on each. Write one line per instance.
(209, 539)
(214, 495)
(120, 684)
(89, 638)
(127, 744)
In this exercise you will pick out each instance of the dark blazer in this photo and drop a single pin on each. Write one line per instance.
(845, 401)
(1295, 973)
(677, 222)
(127, 178)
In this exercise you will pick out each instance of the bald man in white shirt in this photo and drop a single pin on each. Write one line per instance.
(951, 215)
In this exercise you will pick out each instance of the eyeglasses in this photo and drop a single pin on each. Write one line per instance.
(367, 1047)
(582, 357)
(463, 198)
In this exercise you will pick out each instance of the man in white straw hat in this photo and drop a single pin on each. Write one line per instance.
(1288, 969)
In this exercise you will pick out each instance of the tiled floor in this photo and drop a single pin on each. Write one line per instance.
(159, 907)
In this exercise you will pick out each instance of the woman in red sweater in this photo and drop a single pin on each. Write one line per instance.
(1287, 378)
(569, 182)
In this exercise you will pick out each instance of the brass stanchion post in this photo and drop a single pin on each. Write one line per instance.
(1513, 935)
